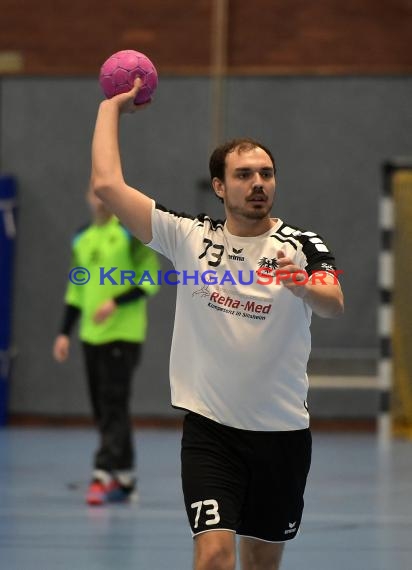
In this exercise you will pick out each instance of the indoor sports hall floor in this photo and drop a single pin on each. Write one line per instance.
(358, 512)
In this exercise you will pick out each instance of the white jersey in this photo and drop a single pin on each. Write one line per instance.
(240, 347)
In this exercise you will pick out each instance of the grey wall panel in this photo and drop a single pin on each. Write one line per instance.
(46, 133)
(329, 136)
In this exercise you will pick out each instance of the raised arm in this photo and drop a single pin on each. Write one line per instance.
(130, 205)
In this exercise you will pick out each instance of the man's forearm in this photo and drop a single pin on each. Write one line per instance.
(326, 300)
(106, 163)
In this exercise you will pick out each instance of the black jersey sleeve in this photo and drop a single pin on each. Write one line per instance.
(317, 253)
(129, 296)
(70, 317)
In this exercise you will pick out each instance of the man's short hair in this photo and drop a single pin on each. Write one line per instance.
(217, 162)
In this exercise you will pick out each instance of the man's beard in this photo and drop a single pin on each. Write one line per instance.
(257, 214)
(250, 214)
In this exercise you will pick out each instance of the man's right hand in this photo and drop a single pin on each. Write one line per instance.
(61, 348)
(125, 101)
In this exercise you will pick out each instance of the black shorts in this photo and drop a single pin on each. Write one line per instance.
(248, 482)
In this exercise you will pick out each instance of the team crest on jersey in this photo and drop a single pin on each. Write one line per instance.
(269, 264)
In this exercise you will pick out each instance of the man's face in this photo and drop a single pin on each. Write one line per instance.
(248, 189)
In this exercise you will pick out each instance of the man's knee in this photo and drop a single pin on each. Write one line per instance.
(260, 555)
(216, 559)
(215, 552)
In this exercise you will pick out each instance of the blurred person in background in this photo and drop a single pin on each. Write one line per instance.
(113, 323)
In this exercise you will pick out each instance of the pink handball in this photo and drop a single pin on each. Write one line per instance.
(118, 74)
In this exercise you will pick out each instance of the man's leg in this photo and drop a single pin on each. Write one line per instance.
(215, 550)
(273, 507)
(214, 482)
(259, 555)
(101, 477)
(91, 361)
(117, 362)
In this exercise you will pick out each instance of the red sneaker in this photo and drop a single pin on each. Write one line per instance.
(96, 493)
